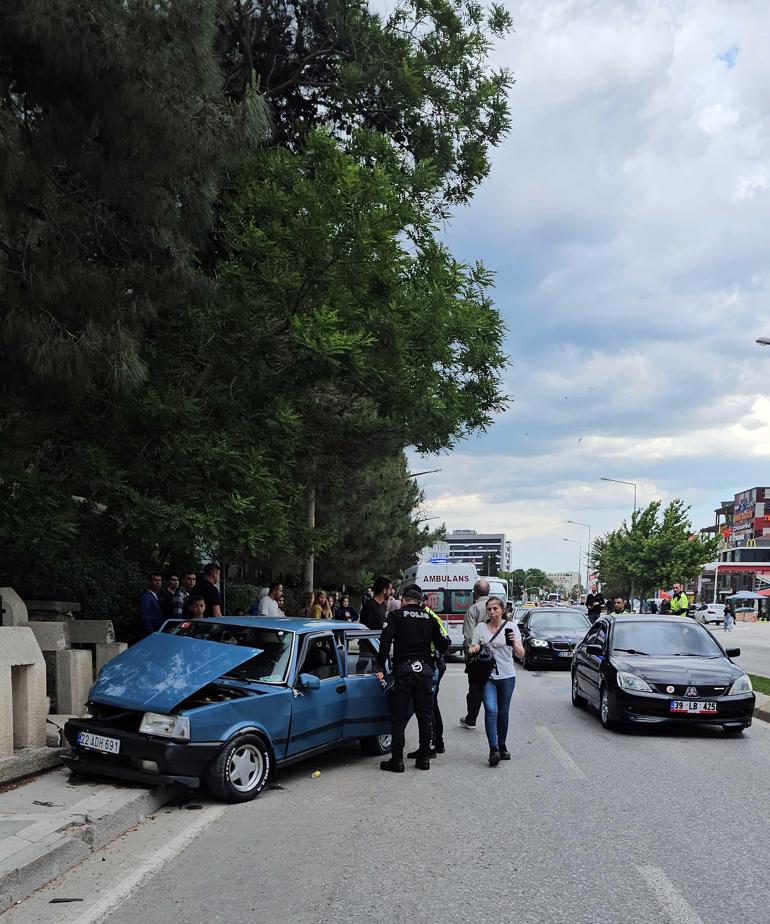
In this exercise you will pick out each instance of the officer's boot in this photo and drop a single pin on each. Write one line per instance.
(394, 765)
(423, 761)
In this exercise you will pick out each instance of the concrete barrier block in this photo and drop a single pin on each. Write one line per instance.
(14, 610)
(105, 653)
(51, 636)
(91, 631)
(22, 690)
(74, 676)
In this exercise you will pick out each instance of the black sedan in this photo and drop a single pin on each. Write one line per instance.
(550, 634)
(649, 669)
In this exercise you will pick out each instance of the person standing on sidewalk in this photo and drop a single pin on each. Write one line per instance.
(728, 621)
(498, 690)
(476, 613)
(150, 615)
(179, 608)
(374, 609)
(207, 588)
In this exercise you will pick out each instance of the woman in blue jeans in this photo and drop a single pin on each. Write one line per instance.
(498, 690)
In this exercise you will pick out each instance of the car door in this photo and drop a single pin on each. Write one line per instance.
(524, 629)
(594, 663)
(585, 664)
(317, 715)
(367, 706)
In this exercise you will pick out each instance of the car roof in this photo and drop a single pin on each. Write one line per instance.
(651, 618)
(292, 623)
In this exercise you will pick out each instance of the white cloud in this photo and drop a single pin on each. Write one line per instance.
(626, 217)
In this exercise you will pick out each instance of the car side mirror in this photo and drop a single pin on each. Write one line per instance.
(593, 648)
(733, 652)
(309, 682)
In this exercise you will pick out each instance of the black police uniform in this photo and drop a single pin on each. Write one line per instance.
(411, 631)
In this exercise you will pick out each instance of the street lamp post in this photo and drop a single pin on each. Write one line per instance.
(633, 485)
(588, 556)
(618, 481)
(580, 554)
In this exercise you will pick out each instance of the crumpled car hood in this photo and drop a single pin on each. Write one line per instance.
(161, 671)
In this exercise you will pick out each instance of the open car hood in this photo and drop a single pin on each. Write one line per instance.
(161, 671)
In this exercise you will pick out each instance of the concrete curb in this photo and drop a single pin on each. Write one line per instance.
(39, 853)
(27, 761)
(762, 707)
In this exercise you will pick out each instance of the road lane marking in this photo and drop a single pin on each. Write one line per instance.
(166, 853)
(574, 772)
(669, 897)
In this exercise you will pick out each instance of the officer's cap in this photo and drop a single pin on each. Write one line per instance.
(412, 592)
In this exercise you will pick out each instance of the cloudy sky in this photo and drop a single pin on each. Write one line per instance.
(627, 219)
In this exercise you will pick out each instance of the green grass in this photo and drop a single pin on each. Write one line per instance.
(760, 684)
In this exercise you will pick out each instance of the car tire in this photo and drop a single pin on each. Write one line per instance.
(240, 770)
(604, 708)
(376, 745)
(578, 701)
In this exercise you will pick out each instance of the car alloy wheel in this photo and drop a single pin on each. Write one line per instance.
(245, 767)
(577, 700)
(604, 708)
(376, 745)
(241, 769)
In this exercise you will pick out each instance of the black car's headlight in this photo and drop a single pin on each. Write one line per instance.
(538, 643)
(166, 726)
(632, 682)
(741, 685)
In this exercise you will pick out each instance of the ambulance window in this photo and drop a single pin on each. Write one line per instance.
(461, 600)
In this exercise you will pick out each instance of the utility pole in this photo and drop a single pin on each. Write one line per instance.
(310, 523)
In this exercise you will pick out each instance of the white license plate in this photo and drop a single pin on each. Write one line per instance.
(564, 654)
(697, 706)
(99, 743)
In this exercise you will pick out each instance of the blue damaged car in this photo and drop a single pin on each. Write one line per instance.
(227, 701)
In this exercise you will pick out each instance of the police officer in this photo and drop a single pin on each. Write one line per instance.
(439, 669)
(411, 631)
(680, 602)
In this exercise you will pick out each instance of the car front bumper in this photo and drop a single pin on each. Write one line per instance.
(656, 707)
(177, 761)
(549, 655)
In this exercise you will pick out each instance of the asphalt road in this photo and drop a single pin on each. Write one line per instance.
(583, 825)
(753, 638)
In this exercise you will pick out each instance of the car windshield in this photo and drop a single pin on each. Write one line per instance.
(267, 667)
(679, 638)
(558, 619)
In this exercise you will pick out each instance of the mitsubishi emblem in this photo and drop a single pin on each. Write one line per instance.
(691, 691)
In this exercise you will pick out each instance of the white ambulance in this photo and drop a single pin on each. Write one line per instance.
(448, 590)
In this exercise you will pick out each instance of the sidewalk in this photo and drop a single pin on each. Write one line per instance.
(49, 824)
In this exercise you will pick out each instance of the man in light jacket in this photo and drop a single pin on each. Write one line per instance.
(477, 612)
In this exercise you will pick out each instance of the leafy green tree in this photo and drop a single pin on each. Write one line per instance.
(418, 76)
(516, 582)
(197, 331)
(657, 549)
(114, 132)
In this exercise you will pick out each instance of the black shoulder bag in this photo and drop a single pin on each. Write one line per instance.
(479, 666)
